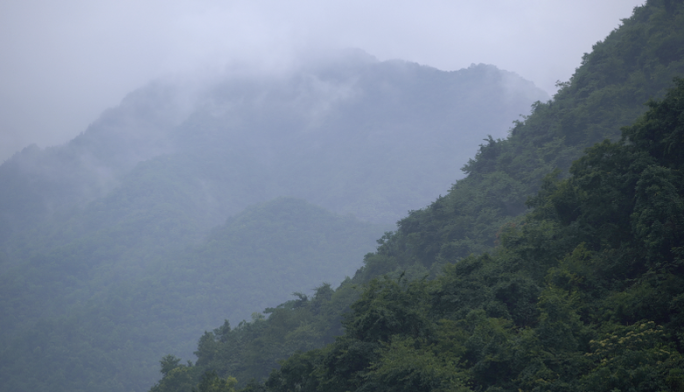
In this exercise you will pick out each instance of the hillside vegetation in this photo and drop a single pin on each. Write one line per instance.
(532, 273)
(586, 293)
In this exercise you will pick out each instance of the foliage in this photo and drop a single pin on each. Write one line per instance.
(580, 296)
(581, 293)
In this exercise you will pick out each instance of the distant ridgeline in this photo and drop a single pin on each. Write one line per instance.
(192, 202)
(557, 264)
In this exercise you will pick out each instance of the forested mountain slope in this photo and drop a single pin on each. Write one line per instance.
(131, 314)
(583, 293)
(107, 255)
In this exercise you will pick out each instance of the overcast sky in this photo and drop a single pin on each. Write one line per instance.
(63, 62)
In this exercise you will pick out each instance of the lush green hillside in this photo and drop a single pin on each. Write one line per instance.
(581, 294)
(584, 294)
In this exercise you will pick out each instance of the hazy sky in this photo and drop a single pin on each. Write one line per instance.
(63, 62)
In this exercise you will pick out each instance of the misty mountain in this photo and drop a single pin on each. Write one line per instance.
(349, 135)
(171, 205)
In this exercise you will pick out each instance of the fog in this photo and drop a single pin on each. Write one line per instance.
(64, 62)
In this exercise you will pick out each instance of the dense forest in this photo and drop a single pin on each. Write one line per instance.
(557, 264)
(191, 203)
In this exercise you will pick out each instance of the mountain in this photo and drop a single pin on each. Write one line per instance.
(192, 202)
(556, 264)
(311, 134)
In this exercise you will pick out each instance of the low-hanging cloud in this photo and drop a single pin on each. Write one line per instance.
(64, 62)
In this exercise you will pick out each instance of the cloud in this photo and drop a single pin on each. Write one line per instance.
(64, 62)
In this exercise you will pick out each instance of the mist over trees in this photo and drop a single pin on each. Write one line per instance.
(219, 219)
(194, 202)
(555, 265)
